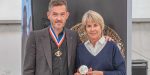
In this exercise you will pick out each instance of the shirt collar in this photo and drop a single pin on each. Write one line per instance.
(60, 34)
(100, 41)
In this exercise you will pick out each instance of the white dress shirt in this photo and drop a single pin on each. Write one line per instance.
(98, 46)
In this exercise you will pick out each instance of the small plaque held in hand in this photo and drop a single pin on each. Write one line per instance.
(83, 69)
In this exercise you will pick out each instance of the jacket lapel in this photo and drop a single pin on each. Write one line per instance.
(69, 45)
(47, 47)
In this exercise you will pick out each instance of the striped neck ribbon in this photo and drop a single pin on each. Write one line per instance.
(57, 40)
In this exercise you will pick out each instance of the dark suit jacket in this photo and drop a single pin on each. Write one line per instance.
(38, 59)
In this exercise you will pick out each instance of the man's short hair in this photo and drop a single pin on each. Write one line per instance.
(57, 3)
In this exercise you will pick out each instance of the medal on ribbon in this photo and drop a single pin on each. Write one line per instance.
(58, 42)
(57, 52)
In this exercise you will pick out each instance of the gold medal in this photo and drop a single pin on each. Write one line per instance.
(58, 53)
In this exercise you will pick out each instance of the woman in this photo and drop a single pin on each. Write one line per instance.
(100, 56)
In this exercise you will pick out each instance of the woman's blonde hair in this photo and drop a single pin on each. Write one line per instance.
(94, 17)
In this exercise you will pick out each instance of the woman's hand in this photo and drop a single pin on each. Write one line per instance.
(90, 72)
(77, 73)
(95, 73)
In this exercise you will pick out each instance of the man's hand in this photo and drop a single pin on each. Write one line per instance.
(108, 38)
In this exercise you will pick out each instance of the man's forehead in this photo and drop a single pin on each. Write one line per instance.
(58, 12)
(59, 8)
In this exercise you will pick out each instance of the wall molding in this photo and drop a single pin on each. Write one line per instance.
(141, 20)
(10, 22)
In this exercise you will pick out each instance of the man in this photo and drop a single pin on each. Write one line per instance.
(51, 51)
